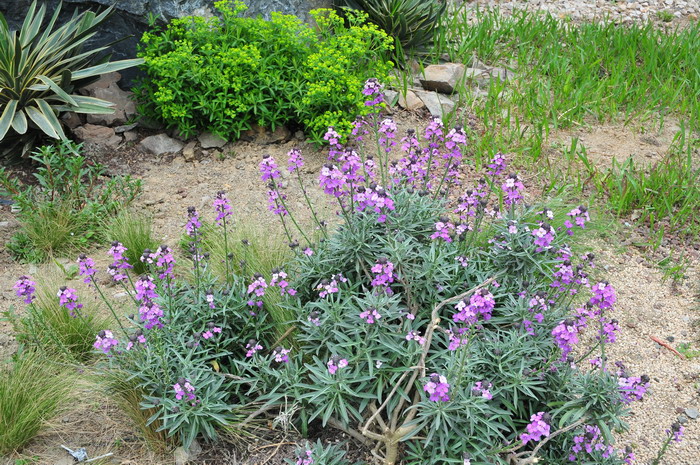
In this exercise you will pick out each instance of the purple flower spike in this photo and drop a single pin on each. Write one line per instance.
(222, 207)
(268, 168)
(296, 161)
(68, 299)
(512, 190)
(105, 341)
(373, 89)
(193, 223)
(498, 164)
(25, 287)
(335, 363)
(87, 268)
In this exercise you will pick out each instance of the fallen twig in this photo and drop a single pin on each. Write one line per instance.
(667, 345)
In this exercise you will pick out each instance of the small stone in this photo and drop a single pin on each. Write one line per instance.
(188, 151)
(442, 78)
(670, 338)
(4, 224)
(98, 135)
(682, 419)
(209, 140)
(299, 135)
(131, 136)
(161, 144)
(692, 413)
(240, 166)
(410, 101)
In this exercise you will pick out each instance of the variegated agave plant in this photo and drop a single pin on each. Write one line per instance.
(40, 70)
(411, 23)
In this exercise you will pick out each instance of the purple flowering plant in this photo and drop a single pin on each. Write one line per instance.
(458, 305)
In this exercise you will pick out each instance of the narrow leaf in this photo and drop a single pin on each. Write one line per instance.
(40, 120)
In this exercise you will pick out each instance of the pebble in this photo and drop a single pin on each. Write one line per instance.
(692, 413)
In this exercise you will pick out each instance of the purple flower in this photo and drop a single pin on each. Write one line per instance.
(25, 287)
(480, 303)
(308, 251)
(105, 341)
(371, 315)
(498, 164)
(332, 180)
(537, 429)
(384, 271)
(415, 336)
(589, 441)
(373, 89)
(258, 285)
(184, 388)
(268, 168)
(512, 189)
(332, 137)
(483, 389)
(222, 207)
(544, 235)
(387, 134)
(306, 458)
(252, 347)
(314, 318)
(603, 295)
(68, 299)
(163, 259)
(330, 286)
(633, 388)
(580, 217)
(295, 160)
(281, 355)
(136, 338)
(150, 313)
(566, 336)
(676, 432)
(119, 263)
(145, 289)
(87, 268)
(437, 388)
(193, 223)
(607, 332)
(275, 202)
(279, 279)
(336, 362)
(211, 330)
(443, 230)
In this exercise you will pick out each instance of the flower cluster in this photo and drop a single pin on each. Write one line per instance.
(415, 336)
(211, 330)
(544, 235)
(119, 262)
(269, 169)
(193, 223)
(566, 336)
(105, 341)
(136, 338)
(444, 230)
(336, 362)
(437, 388)
(149, 311)
(481, 303)
(279, 279)
(498, 164)
(483, 389)
(373, 89)
(183, 388)
(295, 160)
(590, 441)
(603, 295)
(538, 428)
(281, 355)
(371, 315)
(330, 286)
(25, 287)
(162, 258)
(257, 287)
(580, 217)
(252, 347)
(86, 268)
(384, 273)
(676, 432)
(222, 208)
(68, 299)
(305, 458)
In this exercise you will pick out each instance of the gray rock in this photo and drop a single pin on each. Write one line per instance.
(130, 136)
(4, 224)
(410, 101)
(98, 135)
(438, 105)
(390, 96)
(71, 120)
(442, 78)
(161, 144)
(209, 140)
(123, 129)
(692, 413)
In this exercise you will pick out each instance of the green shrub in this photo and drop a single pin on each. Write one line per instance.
(40, 68)
(32, 391)
(226, 74)
(68, 207)
(412, 23)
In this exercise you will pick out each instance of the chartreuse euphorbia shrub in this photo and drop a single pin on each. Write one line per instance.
(224, 74)
(439, 322)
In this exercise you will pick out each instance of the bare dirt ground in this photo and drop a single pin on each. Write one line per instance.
(648, 306)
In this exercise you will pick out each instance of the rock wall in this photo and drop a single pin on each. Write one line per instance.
(131, 17)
